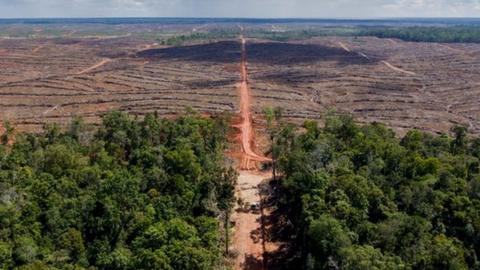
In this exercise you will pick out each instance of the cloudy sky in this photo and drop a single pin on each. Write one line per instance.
(240, 8)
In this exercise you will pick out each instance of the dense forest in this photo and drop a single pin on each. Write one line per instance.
(358, 197)
(450, 34)
(300, 34)
(445, 34)
(210, 36)
(130, 194)
(155, 193)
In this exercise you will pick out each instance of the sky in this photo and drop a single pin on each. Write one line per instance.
(240, 8)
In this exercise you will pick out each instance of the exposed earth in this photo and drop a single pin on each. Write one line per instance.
(429, 86)
(249, 234)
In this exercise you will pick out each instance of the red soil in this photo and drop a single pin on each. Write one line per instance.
(247, 135)
(249, 239)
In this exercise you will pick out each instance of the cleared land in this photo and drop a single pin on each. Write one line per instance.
(430, 86)
(88, 77)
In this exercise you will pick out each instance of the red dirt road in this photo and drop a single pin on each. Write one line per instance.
(248, 240)
(246, 130)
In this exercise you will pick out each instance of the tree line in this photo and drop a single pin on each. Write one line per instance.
(446, 34)
(210, 36)
(130, 194)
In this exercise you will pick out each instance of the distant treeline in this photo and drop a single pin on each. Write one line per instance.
(465, 34)
(215, 34)
(447, 34)
(235, 21)
(299, 34)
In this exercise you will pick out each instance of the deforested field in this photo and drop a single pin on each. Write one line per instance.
(429, 86)
(52, 81)
(52, 78)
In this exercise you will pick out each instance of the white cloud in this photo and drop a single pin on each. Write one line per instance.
(241, 8)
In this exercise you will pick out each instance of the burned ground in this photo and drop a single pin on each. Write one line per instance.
(218, 52)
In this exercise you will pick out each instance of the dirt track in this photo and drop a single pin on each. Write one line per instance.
(398, 69)
(344, 47)
(54, 108)
(247, 136)
(97, 65)
(248, 237)
(38, 48)
(388, 64)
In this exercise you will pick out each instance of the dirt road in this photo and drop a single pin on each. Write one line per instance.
(344, 47)
(147, 47)
(398, 69)
(54, 108)
(38, 48)
(249, 157)
(97, 65)
(248, 237)
(388, 64)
